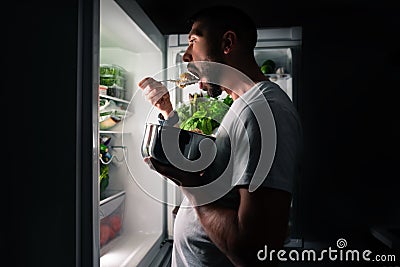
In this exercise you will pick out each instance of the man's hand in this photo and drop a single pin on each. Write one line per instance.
(179, 177)
(261, 219)
(157, 94)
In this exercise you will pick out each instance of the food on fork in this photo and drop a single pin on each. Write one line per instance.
(186, 79)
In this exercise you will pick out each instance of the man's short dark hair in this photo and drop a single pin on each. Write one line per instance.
(221, 18)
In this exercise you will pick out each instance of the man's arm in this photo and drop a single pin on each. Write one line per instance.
(262, 219)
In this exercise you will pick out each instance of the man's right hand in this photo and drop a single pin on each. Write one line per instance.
(157, 94)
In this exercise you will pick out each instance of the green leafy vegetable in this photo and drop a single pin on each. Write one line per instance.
(203, 113)
(104, 178)
(228, 100)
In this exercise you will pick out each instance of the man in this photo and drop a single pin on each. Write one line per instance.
(230, 230)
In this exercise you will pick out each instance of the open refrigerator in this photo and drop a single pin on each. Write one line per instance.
(133, 214)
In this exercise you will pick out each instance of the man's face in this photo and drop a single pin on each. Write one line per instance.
(203, 47)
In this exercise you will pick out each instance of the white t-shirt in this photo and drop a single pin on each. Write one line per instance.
(252, 144)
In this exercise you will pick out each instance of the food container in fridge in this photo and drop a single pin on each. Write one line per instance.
(111, 212)
(103, 90)
(112, 70)
(113, 81)
(114, 78)
(116, 91)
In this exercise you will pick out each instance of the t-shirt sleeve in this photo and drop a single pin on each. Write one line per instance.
(248, 144)
(246, 148)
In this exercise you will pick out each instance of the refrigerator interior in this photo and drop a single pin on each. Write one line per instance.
(281, 56)
(133, 188)
(283, 59)
(273, 43)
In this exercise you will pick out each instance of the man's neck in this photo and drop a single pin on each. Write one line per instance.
(250, 68)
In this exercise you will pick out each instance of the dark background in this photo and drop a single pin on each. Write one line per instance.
(347, 102)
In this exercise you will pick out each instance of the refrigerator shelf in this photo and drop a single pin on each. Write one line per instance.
(275, 77)
(118, 129)
(112, 132)
(115, 99)
(111, 195)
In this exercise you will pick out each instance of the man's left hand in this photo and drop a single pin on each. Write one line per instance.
(178, 176)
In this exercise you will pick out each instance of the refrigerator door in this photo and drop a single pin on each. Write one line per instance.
(132, 46)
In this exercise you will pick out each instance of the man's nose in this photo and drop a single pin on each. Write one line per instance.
(187, 57)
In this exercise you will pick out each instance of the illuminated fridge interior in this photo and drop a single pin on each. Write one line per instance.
(134, 192)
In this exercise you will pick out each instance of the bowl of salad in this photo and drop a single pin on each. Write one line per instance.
(203, 114)
(181, 144)
(198, 121)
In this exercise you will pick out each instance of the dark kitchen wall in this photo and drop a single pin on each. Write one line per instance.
(349, 108)
(48, 135)
(41, 59)
(348, 104)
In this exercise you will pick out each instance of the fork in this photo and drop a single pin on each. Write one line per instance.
(189, 82)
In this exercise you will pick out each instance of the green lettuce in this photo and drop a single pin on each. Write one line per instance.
(203, 113)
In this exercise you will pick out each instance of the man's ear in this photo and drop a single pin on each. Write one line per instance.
(229, 41)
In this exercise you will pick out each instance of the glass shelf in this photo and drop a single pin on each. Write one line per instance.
(110, 195)
(120, 112)
(110, 132)
(115, 99)
(117, 129)
(275, 77)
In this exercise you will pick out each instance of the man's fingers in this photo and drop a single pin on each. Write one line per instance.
(164, 170)
(147, 160)
(145, 82)
(150, 82)
(155, 90)
(157, 165)
(154, 97)
(154, 164)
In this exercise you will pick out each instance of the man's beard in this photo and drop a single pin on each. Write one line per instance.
(213, 90)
